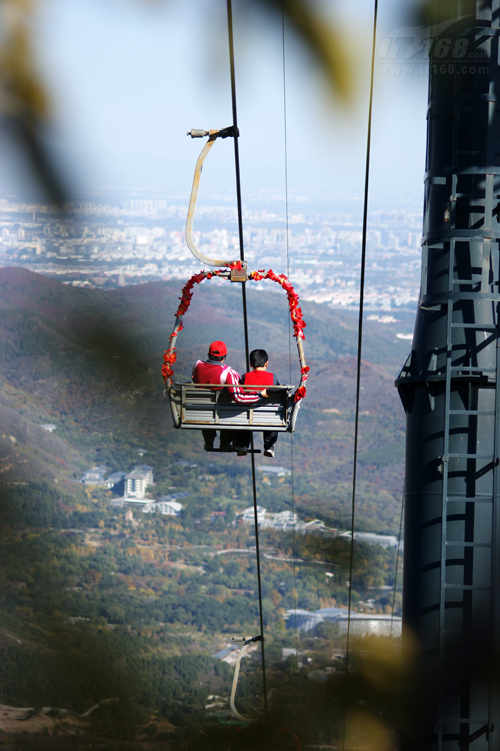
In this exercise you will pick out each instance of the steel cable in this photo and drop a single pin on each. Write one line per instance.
(237, 168)
(287, 244)
(360, 341)
(245, 323)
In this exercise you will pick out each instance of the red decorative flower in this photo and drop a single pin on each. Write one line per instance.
(293, 298)
(300, 393)
(169, 357)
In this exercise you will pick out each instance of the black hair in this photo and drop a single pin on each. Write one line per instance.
(258, 358)
(219, 358)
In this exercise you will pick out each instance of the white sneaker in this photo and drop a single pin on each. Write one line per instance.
(269, 452)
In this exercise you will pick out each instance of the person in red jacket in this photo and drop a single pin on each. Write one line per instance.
(213, 370)
(259, 375)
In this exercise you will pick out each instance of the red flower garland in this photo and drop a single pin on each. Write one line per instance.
(187, 291)
(293, 299)
(169, 357)
(298, 323)
(302, 391)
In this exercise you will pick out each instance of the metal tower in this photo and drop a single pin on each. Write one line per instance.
(450, 390)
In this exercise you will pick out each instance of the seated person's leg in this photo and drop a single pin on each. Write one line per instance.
(270, 438)
(226, 438)
(209, 438)
(242, 438)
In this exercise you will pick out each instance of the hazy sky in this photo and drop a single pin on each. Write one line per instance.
(129, 78)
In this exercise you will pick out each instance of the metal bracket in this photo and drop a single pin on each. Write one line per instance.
(222, 133)
(447, 210)
(247, 639)
(486, 729)
(246, 642)
(442, 460)
(239, 275)
(212, 137)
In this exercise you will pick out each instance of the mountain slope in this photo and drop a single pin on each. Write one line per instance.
(89, 361)
(96, 605)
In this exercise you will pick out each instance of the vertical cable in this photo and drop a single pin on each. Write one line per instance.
(259, 584)
(294, 531)
(286, 191)
(237, 169)
(245, 323)
(360, 339)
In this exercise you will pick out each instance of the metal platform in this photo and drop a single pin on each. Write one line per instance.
(195, 406)
(232, 451)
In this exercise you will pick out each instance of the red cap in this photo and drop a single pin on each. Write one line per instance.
(217, 348)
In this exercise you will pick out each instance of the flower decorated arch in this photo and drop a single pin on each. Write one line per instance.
(298, 323)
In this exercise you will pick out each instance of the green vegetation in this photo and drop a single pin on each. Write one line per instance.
(96, 607)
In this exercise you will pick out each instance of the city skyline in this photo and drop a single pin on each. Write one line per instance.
(101, 245)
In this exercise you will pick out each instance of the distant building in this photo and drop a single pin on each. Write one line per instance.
(168, 508)
(217, 515)
(137, 481)
(276, 471)
(167, 505)
(302, 620)
(316, 527)
(230, 654)
(291, 652)
(284, 521)
(361, 624)
(386, 541)
(146, 468)
(94, 476)
(248, 515)
(49, 427)
(116, 482)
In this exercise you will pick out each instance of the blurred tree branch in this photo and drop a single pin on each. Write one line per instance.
(25, 100)
(24, 103)
(322, 38)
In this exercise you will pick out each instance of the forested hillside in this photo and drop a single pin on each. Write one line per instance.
(125, 613)
(90, 361)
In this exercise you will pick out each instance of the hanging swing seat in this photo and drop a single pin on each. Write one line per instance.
(196, 406)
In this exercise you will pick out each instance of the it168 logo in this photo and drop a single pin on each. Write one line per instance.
(451, 40)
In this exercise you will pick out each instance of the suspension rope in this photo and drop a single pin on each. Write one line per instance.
(397, 560)
(285, 141)
(360, 336)
(294, 531)
(245, 323)
(237, 168)
(259, 582)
